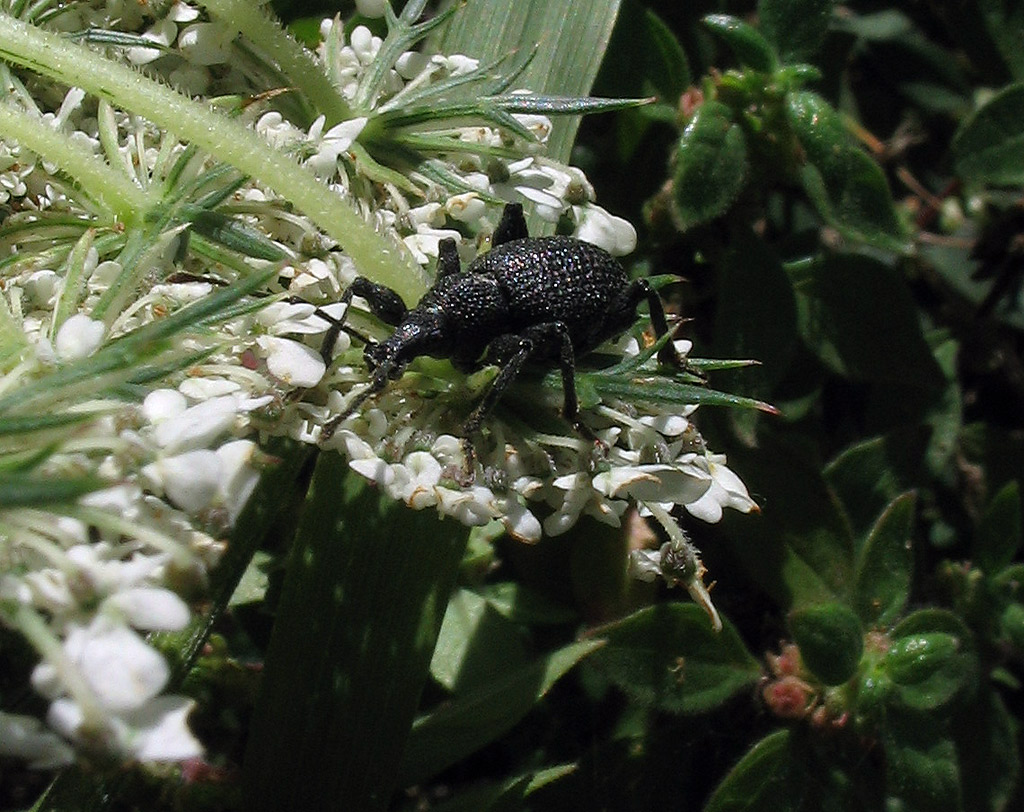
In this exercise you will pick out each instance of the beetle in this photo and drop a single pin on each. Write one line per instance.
(544, 299)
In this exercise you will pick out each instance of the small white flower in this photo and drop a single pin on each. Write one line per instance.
(238, 476)
(198, 425)
(161, 32)
(161, 404)
(151, 608)
(206, 43)
(291, 362)
(158, 731)
(190, 479)
(726, 491)
(466, 208)
(78, 337)
(613, 234)
(122, 671)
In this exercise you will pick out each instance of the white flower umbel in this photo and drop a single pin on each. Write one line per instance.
(117, 228)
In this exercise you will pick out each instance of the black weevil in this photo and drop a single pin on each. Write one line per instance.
(548, 299)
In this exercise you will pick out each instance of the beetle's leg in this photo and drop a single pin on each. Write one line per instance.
(447, 258)
(512, 225)
(515, 350)
(637, 292)
(384, 303)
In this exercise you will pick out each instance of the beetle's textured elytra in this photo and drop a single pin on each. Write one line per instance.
(528, 298)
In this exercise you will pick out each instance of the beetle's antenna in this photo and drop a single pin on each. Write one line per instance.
(329, 428)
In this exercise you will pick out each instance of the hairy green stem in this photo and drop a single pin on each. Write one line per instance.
(108, 187)
(290, 56)
(377, 256)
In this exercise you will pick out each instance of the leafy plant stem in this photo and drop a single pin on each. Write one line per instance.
(377, 257)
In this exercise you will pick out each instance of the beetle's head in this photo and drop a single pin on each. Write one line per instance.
(421, 332)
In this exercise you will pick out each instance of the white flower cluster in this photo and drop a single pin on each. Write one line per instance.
(84, 584)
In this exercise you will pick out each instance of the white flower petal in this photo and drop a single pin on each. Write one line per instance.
(151, 608)
(78, 337)
(292, 362)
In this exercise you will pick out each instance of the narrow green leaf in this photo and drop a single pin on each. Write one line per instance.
(710, 166)
(750, 47)
(885, 564)
(464, 725)
(237, 235)
(999, 533)
(796, 28)
(360, 612)
(831, 640)
(571, 37)
(989, 148)
(761, 780)
(668, 656)
(23, 490)
(661, 390)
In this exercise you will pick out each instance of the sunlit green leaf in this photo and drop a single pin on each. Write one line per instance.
(846, 186)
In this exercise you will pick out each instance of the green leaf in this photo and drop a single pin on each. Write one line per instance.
(761, 780)
(999, 533)
(520, 604)
(21, 490)
(710, 166)
(799, 549)
(846, 186)
(667, 656)
(989, 148)
(869, 475)
(572, 36)
(858, 316)
(475, 644)
(749, 46)
(885, 564)
(465, 724)
(931, 661)
(921, 764)
(796, 28)
(362, 604)
(507, 796)
(831, 640)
